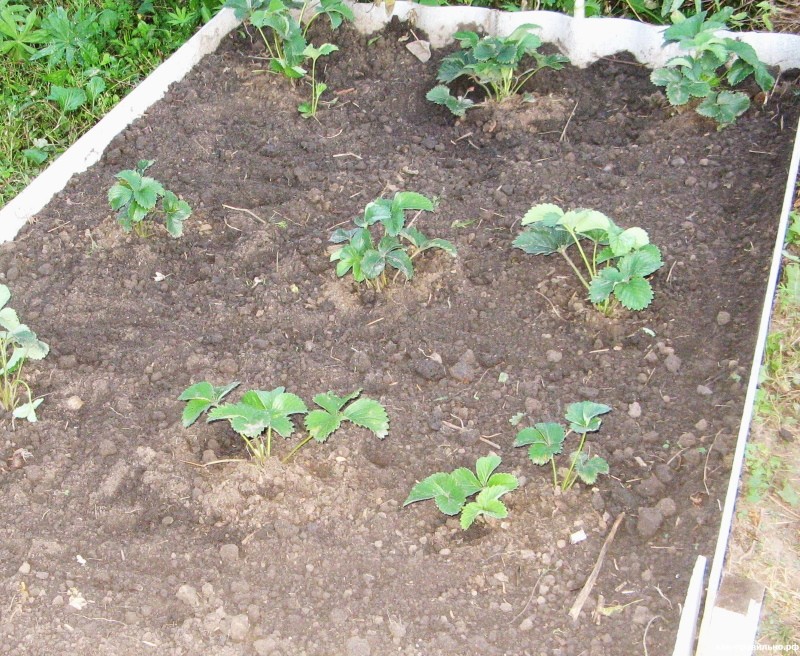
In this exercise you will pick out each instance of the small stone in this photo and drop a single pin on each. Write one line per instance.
(701, 425)
(361, 362)
(677, 161)
(67, 361)
(209, 456)
(356, 646)
(634, 410)
(667, 507)
(25, 568)
(12, 274)
(240, 625)
(107, 448)
(650, 487)
(188, 595)
(58, 600)
(464, 370)
(506, 607)
(428, 369)
(672, 363)
(649, 521)
(785, 434)
(642, 615)
(554, 356)
(265, 646)
(704, 390)
(46, 269)
(526, 624)
(229, 553)
(228, 367)
(723, 318)
(687, 440)
(168, 520)
(664, 472)
(74, 403)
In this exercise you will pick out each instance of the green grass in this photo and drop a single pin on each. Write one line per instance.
(96, 50)
(768, 518)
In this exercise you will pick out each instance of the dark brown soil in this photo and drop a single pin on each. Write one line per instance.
(114, 507)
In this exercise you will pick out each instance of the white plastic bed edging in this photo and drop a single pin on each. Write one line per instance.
(88, 149)
(583, 40)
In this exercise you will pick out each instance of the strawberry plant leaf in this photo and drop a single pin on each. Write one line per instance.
(443, 489)
(589, 468)
(411, 200)
(623, 242)
(584, 416)
(507, 482)
(724, 107)
(373, 264)
(320, 424)
(485, 466)
(368, 414)
(546, 440)
(119, 196)
(467, 480)
(27, 411)
(486, 503)
(542, 240)
(201, 397)
(176, 211)
(634, 294)
(545, 213)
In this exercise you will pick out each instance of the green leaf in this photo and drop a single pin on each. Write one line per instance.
(67, 98)
(583, 221)
(377, 211)
(641, 262)
(467, 480)
(486, 503)
(202, 396)
(443, 489)
(724, 107)
(634, 294)
(94, 87)
(545, 213)
(320, 424)
(546, 440)
(402, 262)
(244, 419)
(542, 240)
(625, 241)
(175, 213)
(588, 469)
(27, 410)
(368, 414)
(147, 191)
(119, 196)
(584, 416)
(333, 403)
(5, 295)
(372, 264)
(507, 482)
(9, 319)
(485, 466)
(35, 155)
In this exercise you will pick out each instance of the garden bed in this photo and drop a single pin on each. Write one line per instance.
(325, 561)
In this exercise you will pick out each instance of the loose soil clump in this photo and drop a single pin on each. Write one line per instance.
(115, 538)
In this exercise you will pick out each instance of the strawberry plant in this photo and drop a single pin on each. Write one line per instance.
(451, 491)
(627, 254)
(496, 64)
(397, 248)
(135, 196)
(364, 412)
(259, 411)
(546, 441)
(18, 344)
(284, 35)
(308, 109)
(710, 62)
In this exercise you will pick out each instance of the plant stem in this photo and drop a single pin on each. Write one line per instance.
(555, 475)
(589, 267)
(269, 441)
(566, 484)
(574, 268)
(297, 448)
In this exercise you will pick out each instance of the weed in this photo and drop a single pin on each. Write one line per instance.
(493, 63)
(18, 344)
(451, 491)
(135, 196)
(367, 260)
(546, 441)
(628, 254)
(710, 62)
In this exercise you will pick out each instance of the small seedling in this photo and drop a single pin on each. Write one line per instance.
(367, 260)
(18, 344)
(308, 109)
(364, 412)
(710, 61)
(627, 253)
(260, 411)
(202, 397)
(451, 491)
(546, 441)
(493, 63)
(135, 196)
